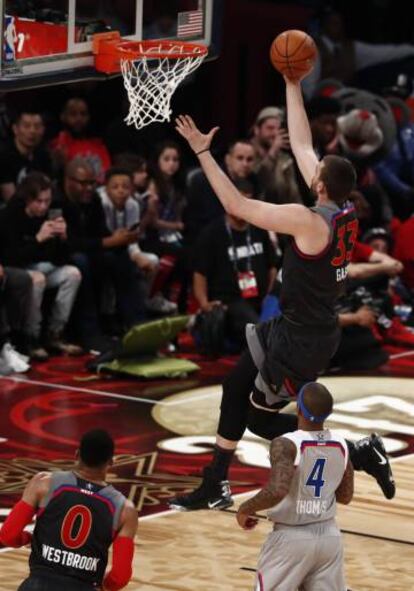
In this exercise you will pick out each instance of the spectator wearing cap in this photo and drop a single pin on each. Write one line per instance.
(234, 267)
(379, 239)
(274, 166)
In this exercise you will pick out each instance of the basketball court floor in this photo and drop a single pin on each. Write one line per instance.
(163, 430)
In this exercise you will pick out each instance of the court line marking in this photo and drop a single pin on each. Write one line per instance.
(103, 393)
(344, 531)
(404, 354)
(194, 397)
(107, 394)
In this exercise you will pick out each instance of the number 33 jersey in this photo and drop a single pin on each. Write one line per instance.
(75, 527)
(311, 284)
(321, 459)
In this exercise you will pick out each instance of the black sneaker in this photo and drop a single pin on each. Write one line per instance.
(374, 461)
(211, 494)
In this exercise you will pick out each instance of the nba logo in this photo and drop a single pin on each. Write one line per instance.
(10, 39)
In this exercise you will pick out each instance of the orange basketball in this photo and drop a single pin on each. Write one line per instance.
(293, 54)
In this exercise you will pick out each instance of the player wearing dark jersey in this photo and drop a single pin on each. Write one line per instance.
(294, 349)
(78, 517)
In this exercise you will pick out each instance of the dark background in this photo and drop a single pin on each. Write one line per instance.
(230, 90)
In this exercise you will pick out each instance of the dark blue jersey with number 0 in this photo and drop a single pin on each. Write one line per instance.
(74, 529)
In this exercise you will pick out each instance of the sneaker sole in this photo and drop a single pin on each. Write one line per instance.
(219, 507)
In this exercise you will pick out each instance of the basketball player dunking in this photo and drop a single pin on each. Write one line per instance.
(310, 471)
(78, 517)
(295, 348)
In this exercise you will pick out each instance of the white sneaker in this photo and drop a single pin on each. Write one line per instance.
(159, 304)
(15, 360)
(24, 358)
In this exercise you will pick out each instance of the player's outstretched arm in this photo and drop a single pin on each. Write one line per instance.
(13, 533)
(299, 131)
(291, 218)
(282, 470)
(123, 551)
(345, 490)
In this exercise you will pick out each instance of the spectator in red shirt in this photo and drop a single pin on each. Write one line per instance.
(75, 139)
(377, 271)
(404, 250)
(367, 262)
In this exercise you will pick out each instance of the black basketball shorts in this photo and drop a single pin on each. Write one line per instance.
(287, 357)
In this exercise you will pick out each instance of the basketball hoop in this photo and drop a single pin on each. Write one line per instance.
(152, 70)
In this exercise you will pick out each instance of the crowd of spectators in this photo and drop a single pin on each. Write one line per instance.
(98, 234)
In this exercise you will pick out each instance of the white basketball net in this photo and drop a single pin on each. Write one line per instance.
(150, 82)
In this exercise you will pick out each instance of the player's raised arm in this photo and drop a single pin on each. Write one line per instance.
(299, 131)
(291, 218)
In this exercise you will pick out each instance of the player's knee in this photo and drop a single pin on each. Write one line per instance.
(270, 424)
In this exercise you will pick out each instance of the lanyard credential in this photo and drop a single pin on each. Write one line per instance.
(246, 280)
(234, 249)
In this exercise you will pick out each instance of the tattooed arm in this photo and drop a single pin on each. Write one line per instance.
(345, 490)
(282, 458)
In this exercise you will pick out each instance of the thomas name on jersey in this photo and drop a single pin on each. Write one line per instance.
(341, 273)
(311, 507)
(69, 558)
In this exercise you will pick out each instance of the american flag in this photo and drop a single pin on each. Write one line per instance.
(190, 23)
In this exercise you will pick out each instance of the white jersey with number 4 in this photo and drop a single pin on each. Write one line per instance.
(321, 459)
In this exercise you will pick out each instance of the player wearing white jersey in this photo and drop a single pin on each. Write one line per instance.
(310, 472)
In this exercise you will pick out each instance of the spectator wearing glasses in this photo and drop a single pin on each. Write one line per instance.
(100, 255)
(24, 153)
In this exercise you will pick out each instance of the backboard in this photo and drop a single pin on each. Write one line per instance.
(50, 41)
